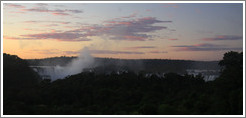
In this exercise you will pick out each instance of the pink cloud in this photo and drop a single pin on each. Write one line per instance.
(172, 39)
(50, 25)
(16, 38)
(113, 23)
(134, 30)
(43, 9)
(125, 23)
(223, 37)
(36, 10)
(204, 47)
(30, 29)
(141, 47)
(18, 12)
(63, 36)
(135, 38)
(60, 14)
(53, 35)
(56, 51)
(54, 22)
(129, 30)
(146, 18)
(14, 5)
(64, 22)
(53, 12)
(151, 20)
(27, 29)
(158, 52)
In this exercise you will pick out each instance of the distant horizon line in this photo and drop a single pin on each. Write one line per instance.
(113, 58)
(125, 58)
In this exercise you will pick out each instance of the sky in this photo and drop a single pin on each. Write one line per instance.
(189, 31)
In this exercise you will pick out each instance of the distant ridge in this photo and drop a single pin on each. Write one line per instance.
(149, 65)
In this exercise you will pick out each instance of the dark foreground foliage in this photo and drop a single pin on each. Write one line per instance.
(127, 93)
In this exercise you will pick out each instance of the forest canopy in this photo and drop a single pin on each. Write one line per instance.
(129, 93)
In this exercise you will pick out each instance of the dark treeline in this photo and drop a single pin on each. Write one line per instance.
(103, 65)
(127, 93)
(53, 61)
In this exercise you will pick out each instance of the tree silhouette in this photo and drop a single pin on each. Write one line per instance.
(88, 93)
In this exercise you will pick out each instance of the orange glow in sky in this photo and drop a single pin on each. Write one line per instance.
(125, 30)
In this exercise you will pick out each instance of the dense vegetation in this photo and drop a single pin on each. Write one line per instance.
(126, 93)
(19, 84)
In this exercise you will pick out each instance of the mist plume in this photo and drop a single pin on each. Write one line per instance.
(84, 60)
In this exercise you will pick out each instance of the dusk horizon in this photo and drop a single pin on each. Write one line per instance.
(183, 31)
(114, 58)
(118, 58)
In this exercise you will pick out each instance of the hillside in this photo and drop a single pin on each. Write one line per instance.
(136, 65)
(88, 93)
